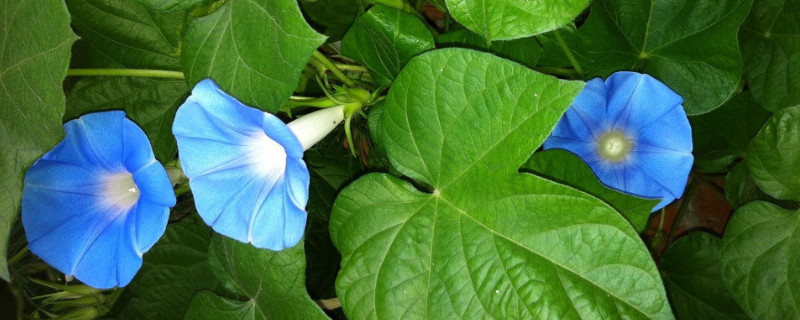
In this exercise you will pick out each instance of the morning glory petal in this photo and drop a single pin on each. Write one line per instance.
(150, 179)
(110, 258)
(672, 131)
(661, 167)
(102, 148)
(589, 107)
(581, 148)
(80, 203)
(643, 141)
(134, 159)
(146, 234)
(245, 169)
(635, 100)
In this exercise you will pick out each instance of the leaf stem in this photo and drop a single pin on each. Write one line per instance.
(18, 256)
(314, 102)
(682, 210)
(333, 68)
(564, 72)
(126, 73)
(351, 68)
(568, 52)
(20, 298)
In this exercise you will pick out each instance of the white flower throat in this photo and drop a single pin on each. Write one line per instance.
(120, 191)
(614, 146)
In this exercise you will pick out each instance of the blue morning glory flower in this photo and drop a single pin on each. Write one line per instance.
(97, 201)
(633, 132)
(245, 166)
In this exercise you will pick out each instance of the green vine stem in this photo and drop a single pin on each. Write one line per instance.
(329, 65)
(121, 72)
(568, 52)
(682, 210)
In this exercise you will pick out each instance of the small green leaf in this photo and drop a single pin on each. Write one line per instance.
(692, 272)
(773, 158)
(512, 19)
(271, 284)
(524, 50)
(689, 45)
(254, 49)
(770, 41)
(172, 271)
(472, 237)
(35, 55)
(128, 34)
(335, 16)
(721, 136)
(760, 250)
(384, 39)
(151, 103)
(740, 188)
(565, 167)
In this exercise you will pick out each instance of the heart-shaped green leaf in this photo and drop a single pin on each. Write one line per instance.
(384, 39)
(760, 250)
(254, 49)
(770, 40)
(35, 52)
(773, 158)
(512, 19)
(483, 240)
(271, 284)
(689, 45)
(693, 275)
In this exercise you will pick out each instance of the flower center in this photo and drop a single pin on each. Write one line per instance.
(267, 156)
(614, 146)
(120, 191)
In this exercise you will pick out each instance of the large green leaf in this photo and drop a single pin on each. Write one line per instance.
(472, 237)
(271, 284)
(34, 56)
(254, 49)
(172, 271)
(565, 167)
(384, 39)
(693, 275)
(771, 50)
(773, 157)
(721, 136)
(512, 19)
(760, 250)
(689, 45)
(151, 103)
(128, 34)
(524, 50)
